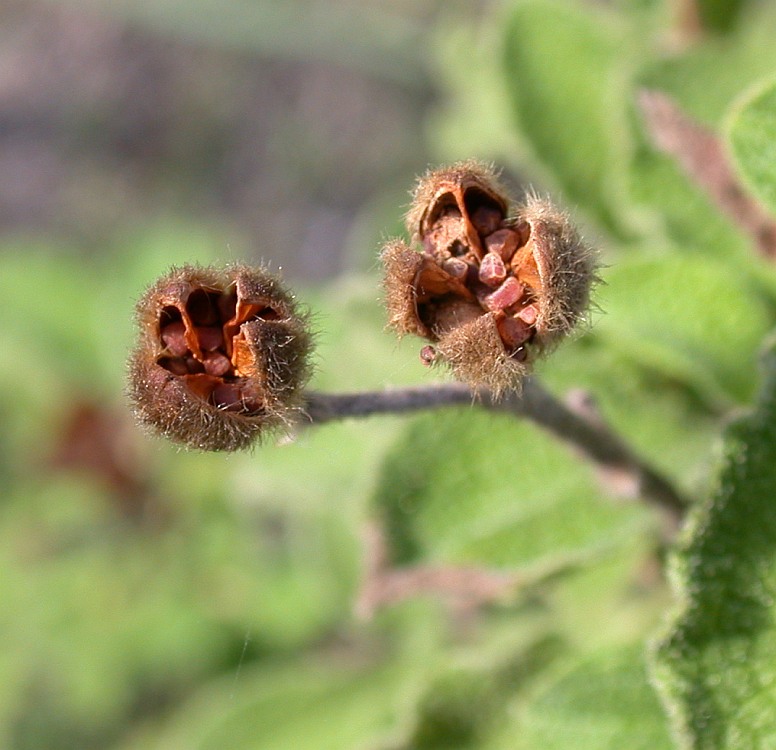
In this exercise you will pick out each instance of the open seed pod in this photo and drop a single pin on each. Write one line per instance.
(492, 289)
(222, 356)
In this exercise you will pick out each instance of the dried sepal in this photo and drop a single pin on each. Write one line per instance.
(222, 356)
(466, 195)
(491, 286)
(566, 269)
(401, 267)
(476, 355)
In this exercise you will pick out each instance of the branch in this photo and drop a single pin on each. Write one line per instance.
(701, 155)
(587, 434)
(464, 589)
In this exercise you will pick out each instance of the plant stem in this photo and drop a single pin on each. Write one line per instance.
(590, 436)
(701, 154)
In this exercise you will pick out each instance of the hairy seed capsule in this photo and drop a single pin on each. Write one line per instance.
(495, 286)
(222, 356)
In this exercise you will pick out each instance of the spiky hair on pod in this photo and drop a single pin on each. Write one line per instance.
(222, 356)
(492, 285)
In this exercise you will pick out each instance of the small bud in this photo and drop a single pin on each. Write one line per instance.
(222, 356)
(493, 287)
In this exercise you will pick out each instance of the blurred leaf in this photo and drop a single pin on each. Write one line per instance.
(715, 663)
(107, 616)
(460, 707)
(752, 134)
(352, 696)
(466, 485)
(617, 601)
(659, 416)
(475, 118)
(604, 703)
(720, 15)
(48, 306)
(565, 72)
(688, 318)
(683, 213)
(704, 79)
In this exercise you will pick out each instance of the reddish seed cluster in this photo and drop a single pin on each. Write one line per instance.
(490, 289)
(488, 265)
(202, 341)
(223, 356)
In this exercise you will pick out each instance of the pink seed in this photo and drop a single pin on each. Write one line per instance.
(175, 365)
(456, 267)
(194, 366)
(216, 364)
(174, 338)
(209, 337)
(513, 332)
(492, 270)
(505, 296)
(504, 242)
(529, 314)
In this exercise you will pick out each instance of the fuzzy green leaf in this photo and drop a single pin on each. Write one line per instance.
(753, 141)
(466, 485)
(716, 662)
(697, 321)
(563, 71)
(605, 703)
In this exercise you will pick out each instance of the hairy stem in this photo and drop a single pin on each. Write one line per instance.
(588, 434)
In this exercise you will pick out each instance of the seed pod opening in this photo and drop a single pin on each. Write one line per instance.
(493, 286)
(222, 356)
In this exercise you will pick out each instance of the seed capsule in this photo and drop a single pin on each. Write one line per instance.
(222, 356)
(492, 289)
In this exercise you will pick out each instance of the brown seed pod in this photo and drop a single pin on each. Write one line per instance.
(493, 287)
(222, 356)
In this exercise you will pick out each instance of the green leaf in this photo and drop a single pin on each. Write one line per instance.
(466, 485)
(710, 74)
(47, 302)
(102, 615)
(565, 76)
(752, 135)
(693, 319)
(461, 706)
(716, 662)
(473, 84)
(360, 694)
(720, 15)
(703, 80)
(605, 703)
(661, 418)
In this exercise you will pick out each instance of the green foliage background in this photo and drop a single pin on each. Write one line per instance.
(156, 599)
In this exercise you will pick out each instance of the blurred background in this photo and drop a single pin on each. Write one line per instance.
(153, 599)
(283, 125)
